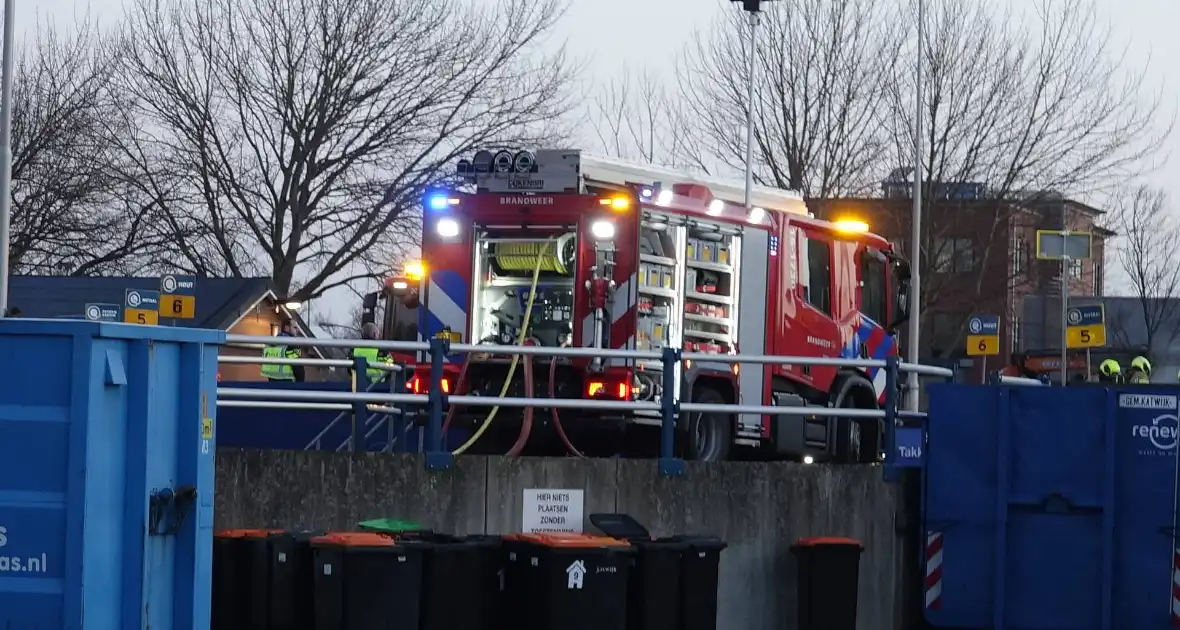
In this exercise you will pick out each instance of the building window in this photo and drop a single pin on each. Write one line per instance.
(1016, 334)
(1097, 280)
(1075, 269)
(1019, 252)
(954, 255)
(946, 337)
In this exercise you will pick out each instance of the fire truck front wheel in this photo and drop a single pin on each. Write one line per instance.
(707, 437)
(856, 439)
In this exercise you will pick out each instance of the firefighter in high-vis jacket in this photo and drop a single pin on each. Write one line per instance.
(282, 372)
(1109, 371)
(1140, 372)
(372, 356)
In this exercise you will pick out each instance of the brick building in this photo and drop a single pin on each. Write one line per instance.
(981, 258)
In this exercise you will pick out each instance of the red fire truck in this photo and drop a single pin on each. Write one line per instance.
(558, 248)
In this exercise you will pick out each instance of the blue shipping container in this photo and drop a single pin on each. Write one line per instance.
(106, 475)
(1051, 508)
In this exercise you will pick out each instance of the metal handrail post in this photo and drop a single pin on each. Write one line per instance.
(669, 464)
(360, 409)
(890, 472)
(400, 385)
(437, 458)
(396, 428)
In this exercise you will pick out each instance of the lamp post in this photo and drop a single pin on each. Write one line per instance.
(754, 8)
(914, 345)
(6, 151)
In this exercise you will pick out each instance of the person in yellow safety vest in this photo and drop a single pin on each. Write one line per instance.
(276, 372)
(372, 355)
(1140, 372)
(1109, 371)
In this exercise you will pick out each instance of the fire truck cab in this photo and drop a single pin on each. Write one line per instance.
(559, 248)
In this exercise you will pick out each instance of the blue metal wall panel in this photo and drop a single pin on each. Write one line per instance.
(1054, 508)
(93, 419)
(1145, 500)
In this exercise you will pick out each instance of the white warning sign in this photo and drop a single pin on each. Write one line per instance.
(1147, 401)
(545, 510)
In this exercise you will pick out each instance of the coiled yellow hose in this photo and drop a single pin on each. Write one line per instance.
(526, 256)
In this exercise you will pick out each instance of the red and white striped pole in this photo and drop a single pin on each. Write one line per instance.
(933, 582)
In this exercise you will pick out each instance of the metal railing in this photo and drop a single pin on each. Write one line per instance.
(1000, 379)
(360, 367)
(393, 402)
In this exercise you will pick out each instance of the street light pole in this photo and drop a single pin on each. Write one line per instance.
(753, 7)
(753, 58)
(915, 298)
(6, 151)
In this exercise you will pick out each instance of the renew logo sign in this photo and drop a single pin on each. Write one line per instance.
(1162, 433)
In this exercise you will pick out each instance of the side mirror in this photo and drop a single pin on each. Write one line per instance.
(901, 304)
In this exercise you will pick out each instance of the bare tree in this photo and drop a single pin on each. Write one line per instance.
(1032, 109)
(293, 138)
(1149, 236)
(72, 213)
(348, 328)
(636, 117)
(820, 70)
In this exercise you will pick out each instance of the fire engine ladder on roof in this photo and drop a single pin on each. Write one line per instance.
(603, 172)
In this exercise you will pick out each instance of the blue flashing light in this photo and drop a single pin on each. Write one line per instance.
(646, 193)
(440, 201)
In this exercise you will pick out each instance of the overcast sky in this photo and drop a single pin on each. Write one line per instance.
(612, 34)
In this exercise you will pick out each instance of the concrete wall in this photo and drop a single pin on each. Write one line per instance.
(759, 509)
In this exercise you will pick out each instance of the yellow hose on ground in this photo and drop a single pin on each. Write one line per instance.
(524, 329)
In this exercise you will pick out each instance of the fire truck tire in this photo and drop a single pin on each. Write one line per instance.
(857, 441)
(707, 437)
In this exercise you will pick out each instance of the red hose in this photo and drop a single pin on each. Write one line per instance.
(553, 411)
(458, 388)
(526, 426)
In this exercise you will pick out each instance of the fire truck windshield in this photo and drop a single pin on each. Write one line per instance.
(505, 264)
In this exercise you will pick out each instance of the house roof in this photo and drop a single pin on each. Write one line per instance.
(220, 302)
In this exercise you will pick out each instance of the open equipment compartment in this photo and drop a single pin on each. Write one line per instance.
(505, 260)
(710, 288)
(688, 286)
(659, 300)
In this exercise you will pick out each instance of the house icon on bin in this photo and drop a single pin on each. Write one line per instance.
(575, 573)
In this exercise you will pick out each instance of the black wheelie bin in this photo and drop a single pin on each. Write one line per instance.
(292, 581)
(460, 575)
(366, 581)
(673, 585)
(828, 581)
(565, 582)
(241, 579)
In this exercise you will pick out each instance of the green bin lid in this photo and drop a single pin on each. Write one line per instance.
(391, 526)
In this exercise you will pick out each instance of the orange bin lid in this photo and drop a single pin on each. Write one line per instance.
(568, 540)
(247, 533)
(259, 533)
(354, 539)
(820, 541)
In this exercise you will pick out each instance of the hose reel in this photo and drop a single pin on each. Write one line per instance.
(522, 257)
